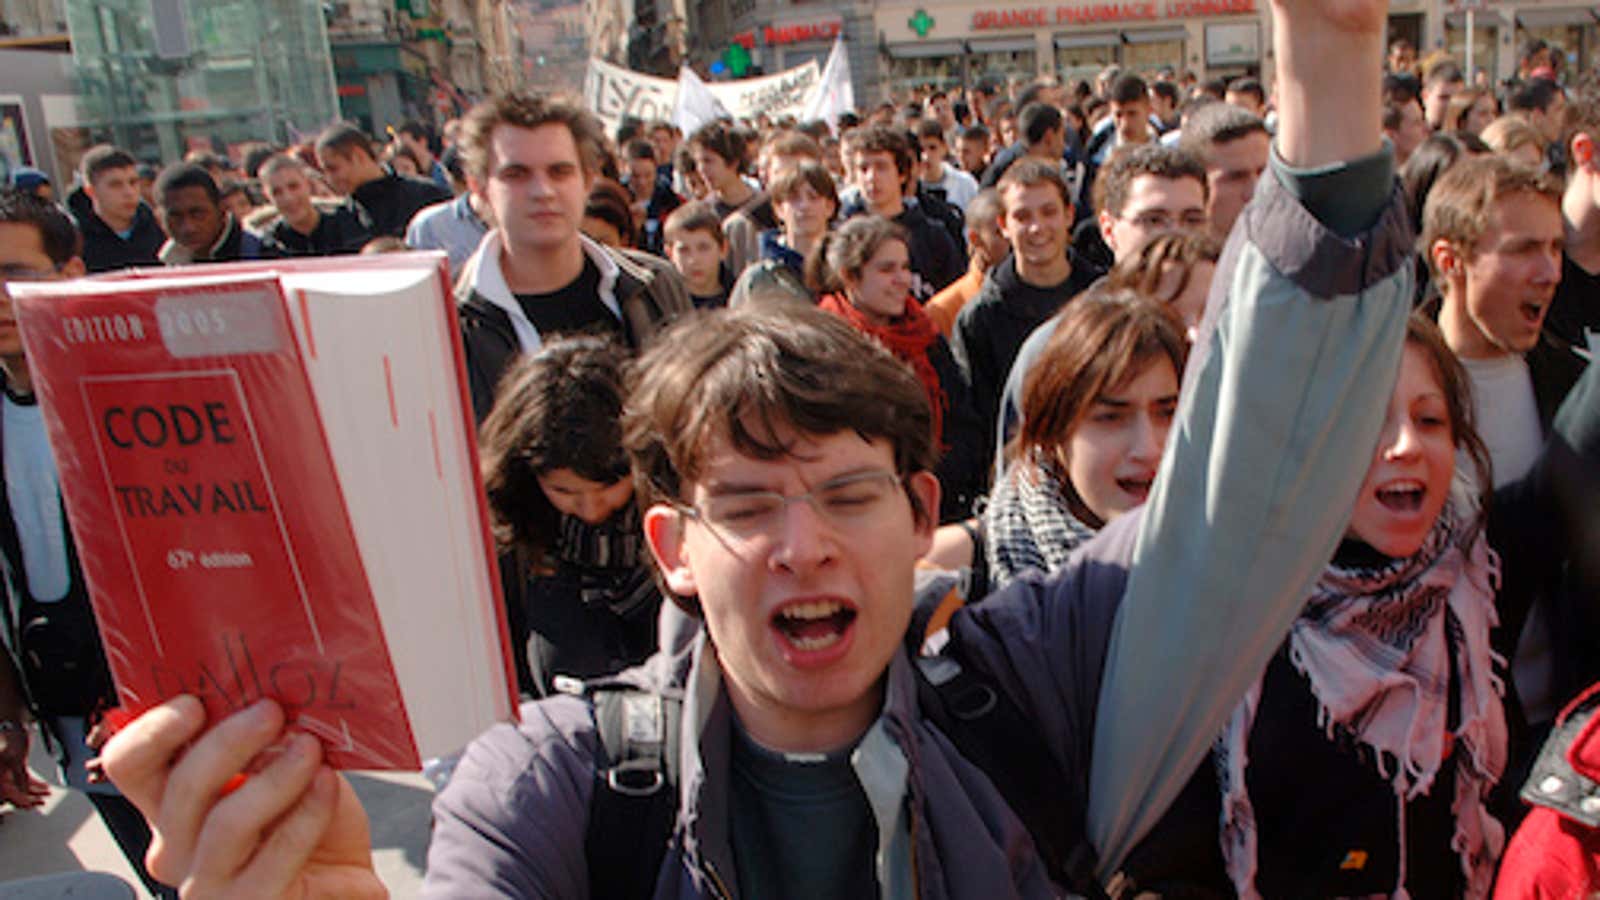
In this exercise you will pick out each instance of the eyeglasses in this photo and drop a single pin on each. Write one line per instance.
(844, 502)
(19, 273)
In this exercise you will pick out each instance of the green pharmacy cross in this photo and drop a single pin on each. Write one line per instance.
(737, 59)
(921, 23)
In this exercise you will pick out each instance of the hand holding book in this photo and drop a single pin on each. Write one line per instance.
(271, 474)
(294, 828)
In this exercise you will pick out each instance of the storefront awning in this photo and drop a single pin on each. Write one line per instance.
(926, 49)
(1458, 20)
(1155, 35)
(1001, 45)
(1551, 18)
(1103, 39)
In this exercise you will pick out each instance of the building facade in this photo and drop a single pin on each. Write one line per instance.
(412, 59)
(953, 42)
(1500, 29)
(27, 23)
(781, 35)
(162, 77)
(548, 44)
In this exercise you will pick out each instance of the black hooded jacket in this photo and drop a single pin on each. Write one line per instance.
(392, 200)
(103, 249)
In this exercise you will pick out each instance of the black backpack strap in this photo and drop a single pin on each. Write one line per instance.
(635, 801)
(992, 733)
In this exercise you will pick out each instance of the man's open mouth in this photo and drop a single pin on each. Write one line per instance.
(815, 624)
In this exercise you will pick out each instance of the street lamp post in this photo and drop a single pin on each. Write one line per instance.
(1471, 6)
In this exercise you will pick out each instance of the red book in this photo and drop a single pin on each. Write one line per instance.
(272, 476)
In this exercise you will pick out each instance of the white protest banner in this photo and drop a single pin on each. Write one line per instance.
(612, 92)
(696, 105)
(784, 94)
(837, 93)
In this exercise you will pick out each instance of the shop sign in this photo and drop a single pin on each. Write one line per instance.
(773, 35)
(1095, 13)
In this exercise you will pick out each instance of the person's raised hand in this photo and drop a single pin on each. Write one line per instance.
(1361, 16)
(1330, 77)
(292, 828)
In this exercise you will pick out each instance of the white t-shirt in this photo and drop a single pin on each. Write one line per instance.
(959, 187)
(1508, 414)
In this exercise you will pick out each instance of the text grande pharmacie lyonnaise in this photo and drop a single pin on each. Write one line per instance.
(1092, 13)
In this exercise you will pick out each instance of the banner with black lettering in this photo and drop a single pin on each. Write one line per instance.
(784, 94)
(613, 92)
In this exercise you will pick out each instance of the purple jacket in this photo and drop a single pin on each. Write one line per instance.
(511, 822)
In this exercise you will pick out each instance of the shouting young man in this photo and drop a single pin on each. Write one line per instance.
(791, 518)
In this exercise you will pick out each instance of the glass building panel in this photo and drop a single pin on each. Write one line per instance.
(1575, 44)
(941, 72)
(1002, 66)
(1146, 57)
(1485, 46)
(160, 77)
(1084, 63)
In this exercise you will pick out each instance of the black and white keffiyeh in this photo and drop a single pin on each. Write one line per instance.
(1373, 645)
(607, 560)
(1027, 522)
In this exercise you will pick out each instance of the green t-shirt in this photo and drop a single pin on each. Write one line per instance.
(801, 825)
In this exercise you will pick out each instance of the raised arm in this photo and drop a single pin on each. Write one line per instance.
(1284, 398)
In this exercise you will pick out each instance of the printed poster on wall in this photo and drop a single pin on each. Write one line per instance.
(14, 148)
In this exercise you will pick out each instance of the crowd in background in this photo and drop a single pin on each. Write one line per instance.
(1039, 259)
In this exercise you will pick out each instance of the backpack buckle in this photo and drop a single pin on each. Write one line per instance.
(972, 700)
(635, 780)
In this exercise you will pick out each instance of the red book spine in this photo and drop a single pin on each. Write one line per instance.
(212, 531)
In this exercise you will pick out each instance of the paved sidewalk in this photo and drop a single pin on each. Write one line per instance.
(67, 836)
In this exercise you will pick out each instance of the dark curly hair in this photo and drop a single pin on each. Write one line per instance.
(608, 202)
(560, 408)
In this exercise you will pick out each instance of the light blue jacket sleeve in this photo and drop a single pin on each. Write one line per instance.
(1283, 402)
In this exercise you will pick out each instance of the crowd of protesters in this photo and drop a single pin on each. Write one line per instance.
(1237, 442)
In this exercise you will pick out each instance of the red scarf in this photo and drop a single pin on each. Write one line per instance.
(908, 338)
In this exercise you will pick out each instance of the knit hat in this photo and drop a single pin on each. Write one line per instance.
(27, 178)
